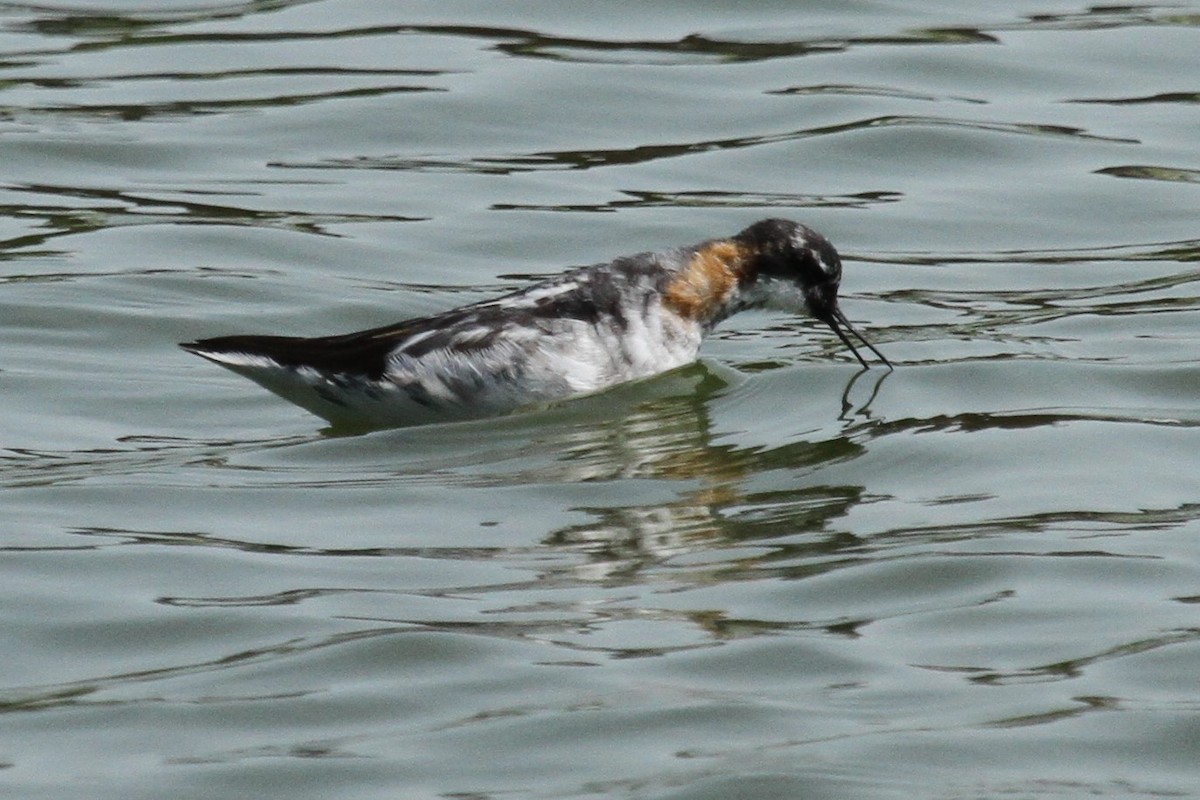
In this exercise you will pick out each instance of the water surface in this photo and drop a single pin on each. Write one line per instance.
(766, 575)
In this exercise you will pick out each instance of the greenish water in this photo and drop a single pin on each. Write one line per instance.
(764, 576)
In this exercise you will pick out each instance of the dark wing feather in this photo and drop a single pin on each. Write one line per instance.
(361, 353)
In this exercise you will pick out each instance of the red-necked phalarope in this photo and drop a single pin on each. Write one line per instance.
(585, 330)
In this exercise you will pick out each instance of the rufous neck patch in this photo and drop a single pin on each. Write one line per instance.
(701, 291)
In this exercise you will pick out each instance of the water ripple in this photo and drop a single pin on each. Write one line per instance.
(716, 199)
(640, 154)
(1172, 174)
(105, 209)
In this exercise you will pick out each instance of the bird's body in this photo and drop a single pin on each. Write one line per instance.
(585, 330)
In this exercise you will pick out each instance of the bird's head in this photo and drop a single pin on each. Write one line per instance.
(798, 270)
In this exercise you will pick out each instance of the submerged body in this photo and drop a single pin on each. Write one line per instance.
(582, 331)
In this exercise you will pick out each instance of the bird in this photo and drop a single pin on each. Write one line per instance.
(580, 332)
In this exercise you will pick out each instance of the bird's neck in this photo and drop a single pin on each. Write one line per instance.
(715, 282)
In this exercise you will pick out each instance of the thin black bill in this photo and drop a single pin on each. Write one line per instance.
(836, 318)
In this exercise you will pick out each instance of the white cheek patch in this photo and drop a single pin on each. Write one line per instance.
(782, 295)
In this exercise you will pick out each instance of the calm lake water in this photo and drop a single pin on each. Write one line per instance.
(763, 576)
